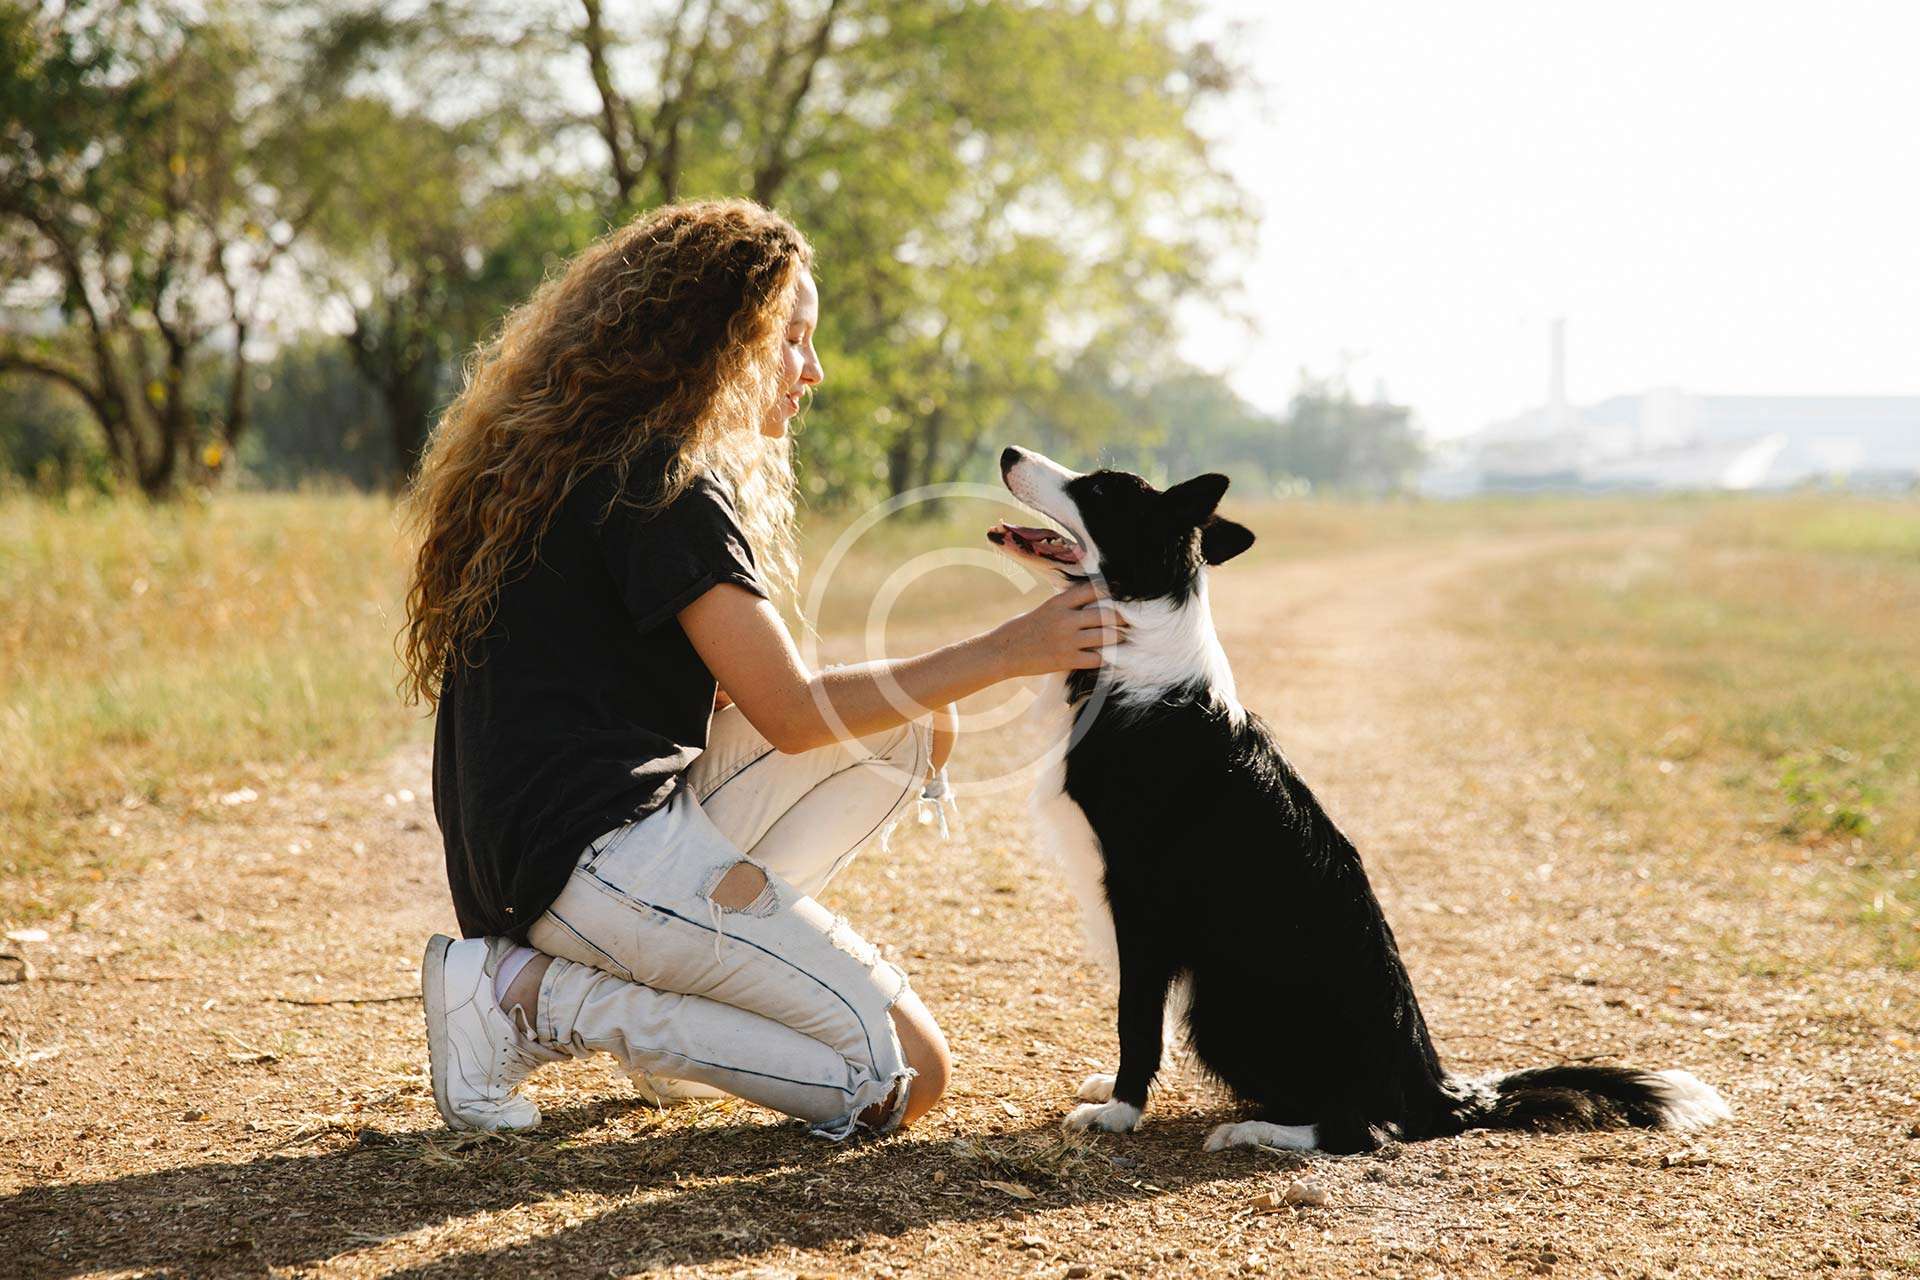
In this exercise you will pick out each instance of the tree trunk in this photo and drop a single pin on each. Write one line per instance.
(237, 403)
(934, 434)
(900, 463)
(409, 404)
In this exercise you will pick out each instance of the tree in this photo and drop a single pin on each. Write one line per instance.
(318, 420)
(1336, 441)
(1188, 421)
(422, 241)
(133, 204)
(992, 187)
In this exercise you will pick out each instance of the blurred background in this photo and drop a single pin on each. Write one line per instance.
(1325, 247)
(1407, 273)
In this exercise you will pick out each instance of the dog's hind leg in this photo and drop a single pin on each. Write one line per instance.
(1341, 1135)
(1260, 1133)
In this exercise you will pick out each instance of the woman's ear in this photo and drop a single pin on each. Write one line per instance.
(1221, 540)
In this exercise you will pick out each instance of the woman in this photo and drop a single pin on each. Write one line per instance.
(604, 513)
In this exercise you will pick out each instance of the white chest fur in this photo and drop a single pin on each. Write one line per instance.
(1065, 836)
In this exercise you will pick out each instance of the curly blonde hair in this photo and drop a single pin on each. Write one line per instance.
(660, 338)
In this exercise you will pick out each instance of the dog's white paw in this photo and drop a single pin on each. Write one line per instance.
(1097, 1087)
(1107, 1117)
(1258, 1133)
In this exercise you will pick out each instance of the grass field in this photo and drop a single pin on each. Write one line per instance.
(1769, 651)
(1636, 781)
(173, 655)
(1748, 686)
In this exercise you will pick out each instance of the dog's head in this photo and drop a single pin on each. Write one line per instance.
(1147, 544)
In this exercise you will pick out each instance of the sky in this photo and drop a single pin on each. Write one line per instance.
(1720, 197)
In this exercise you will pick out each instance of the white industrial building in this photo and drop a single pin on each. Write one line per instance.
(1669, 439)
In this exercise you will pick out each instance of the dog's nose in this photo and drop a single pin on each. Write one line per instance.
(1009, 456)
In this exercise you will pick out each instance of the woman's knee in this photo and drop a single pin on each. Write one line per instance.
(925, 1049)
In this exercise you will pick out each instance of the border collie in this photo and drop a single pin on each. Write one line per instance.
(1201, 859)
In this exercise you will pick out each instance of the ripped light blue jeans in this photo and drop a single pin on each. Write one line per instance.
(778, 1001)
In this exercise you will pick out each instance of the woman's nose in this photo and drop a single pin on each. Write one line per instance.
(811, 374)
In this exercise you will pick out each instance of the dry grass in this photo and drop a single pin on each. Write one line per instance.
(170, 655)
(1476, 709)
(1750, 683)
(176, 655)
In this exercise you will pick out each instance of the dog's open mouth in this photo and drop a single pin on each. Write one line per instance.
(1048, 544)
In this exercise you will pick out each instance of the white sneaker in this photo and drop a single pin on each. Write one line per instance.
(477, 1055)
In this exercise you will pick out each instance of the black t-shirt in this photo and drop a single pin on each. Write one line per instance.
(584, 702)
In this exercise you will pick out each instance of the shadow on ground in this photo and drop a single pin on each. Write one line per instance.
(691, 1193)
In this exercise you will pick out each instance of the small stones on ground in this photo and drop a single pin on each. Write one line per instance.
(1689, 1158)
(1079, 1271)
(1306, 1193)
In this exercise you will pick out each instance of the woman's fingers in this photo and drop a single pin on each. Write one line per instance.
(1104, 615)
(1080, 593)
(1097, 637)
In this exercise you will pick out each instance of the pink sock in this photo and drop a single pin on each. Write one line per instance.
(516, 960)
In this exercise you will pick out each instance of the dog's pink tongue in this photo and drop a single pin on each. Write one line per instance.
(1041, 542)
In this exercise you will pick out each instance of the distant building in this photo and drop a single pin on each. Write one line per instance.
(1668, 439)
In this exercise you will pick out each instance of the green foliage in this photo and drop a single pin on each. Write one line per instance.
(1191, 421)
(1334, 440)
(1008, 202)
(44, 439)
(137, 206)
(320, 423)
(1829, 794)
(422, 239)
(998, 193)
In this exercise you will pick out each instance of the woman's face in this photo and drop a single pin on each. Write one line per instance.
(799, 362)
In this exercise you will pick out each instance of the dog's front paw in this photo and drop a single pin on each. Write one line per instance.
(1107, 1117)
(1097, 1087)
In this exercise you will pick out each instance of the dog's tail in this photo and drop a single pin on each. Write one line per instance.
(1566, 1099)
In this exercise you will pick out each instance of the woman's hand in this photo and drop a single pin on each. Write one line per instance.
(1064, 633)
(744, 642)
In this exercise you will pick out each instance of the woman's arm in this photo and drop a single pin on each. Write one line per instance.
(745, 644)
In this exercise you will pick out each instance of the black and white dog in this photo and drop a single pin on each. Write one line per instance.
(1201, 859)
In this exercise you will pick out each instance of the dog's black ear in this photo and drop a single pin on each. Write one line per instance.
(1193, 500)
(1221, 540)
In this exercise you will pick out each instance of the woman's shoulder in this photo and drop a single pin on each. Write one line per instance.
(637, 503)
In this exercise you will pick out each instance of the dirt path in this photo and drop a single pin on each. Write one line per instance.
(178, 1102)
